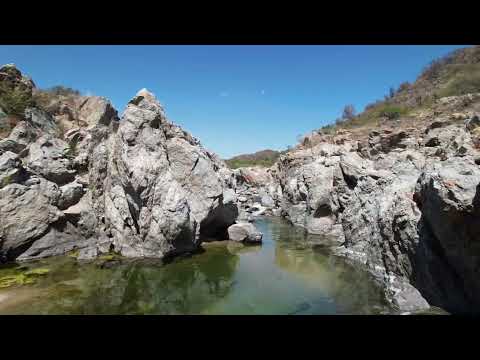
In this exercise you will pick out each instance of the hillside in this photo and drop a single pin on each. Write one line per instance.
(18, 92)
(455, 74)
(264, 158)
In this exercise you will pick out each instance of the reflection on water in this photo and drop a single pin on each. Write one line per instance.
(283, 276)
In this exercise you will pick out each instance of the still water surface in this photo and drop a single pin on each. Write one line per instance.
(283, 276)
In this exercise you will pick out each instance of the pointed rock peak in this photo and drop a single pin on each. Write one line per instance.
(7, 67)
(144, 99)
(146, 94)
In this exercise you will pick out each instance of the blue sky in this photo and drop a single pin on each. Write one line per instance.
(235, 99)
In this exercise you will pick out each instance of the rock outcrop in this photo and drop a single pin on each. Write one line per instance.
(244, 232)
(12, 79)
(403, 204)
(157, 191)
(78, 177)
(257, 192)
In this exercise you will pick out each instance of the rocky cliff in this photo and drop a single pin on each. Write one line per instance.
(401, 202)
(80, 177)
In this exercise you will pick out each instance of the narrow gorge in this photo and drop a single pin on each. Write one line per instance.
(396, 205)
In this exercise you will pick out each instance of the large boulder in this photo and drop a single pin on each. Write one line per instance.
(27, 211)
(70, 194)
(244, 232)
(50, 157)
(11, 169)
(36, 123)
(42, 122)
(96, 110)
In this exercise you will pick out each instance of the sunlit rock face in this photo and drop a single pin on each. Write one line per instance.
(160, 191)
(138, 185)
(402, 203)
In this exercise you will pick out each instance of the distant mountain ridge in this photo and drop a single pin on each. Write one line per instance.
(264, 158)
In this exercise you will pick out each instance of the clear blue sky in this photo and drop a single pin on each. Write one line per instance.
(235, 99)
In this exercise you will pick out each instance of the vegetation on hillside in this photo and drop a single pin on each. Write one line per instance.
(455, 74)
(264, 158)
(47, 99)
(13, 101)
(464, 79)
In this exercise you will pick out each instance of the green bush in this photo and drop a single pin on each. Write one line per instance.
(393, 112)
(50, 99)
(14, 101)
(62, 91)
(328, 129)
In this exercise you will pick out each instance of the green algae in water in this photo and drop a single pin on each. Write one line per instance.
(106, 257)
(73, 254)
(282, 276)
(37, 271)
(22, 278)
(12, 280)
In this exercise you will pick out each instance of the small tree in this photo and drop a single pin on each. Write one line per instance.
(391, 92)
(404, 86)
(14, 101)
(62, 90)
(348, 112)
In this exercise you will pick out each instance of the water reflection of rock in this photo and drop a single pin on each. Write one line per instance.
(184, 286)
(353, 290)
(234, 247)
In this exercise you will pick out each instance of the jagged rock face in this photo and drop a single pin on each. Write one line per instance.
(448, 196)
(48, 157)
(257, 191)
(75, 112)
(32, 223)
(82, 179)
(11, 170)
(401, 204)
(161, 191)
(35, 124)
(27, 211)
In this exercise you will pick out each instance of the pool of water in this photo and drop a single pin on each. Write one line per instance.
(285, 275)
